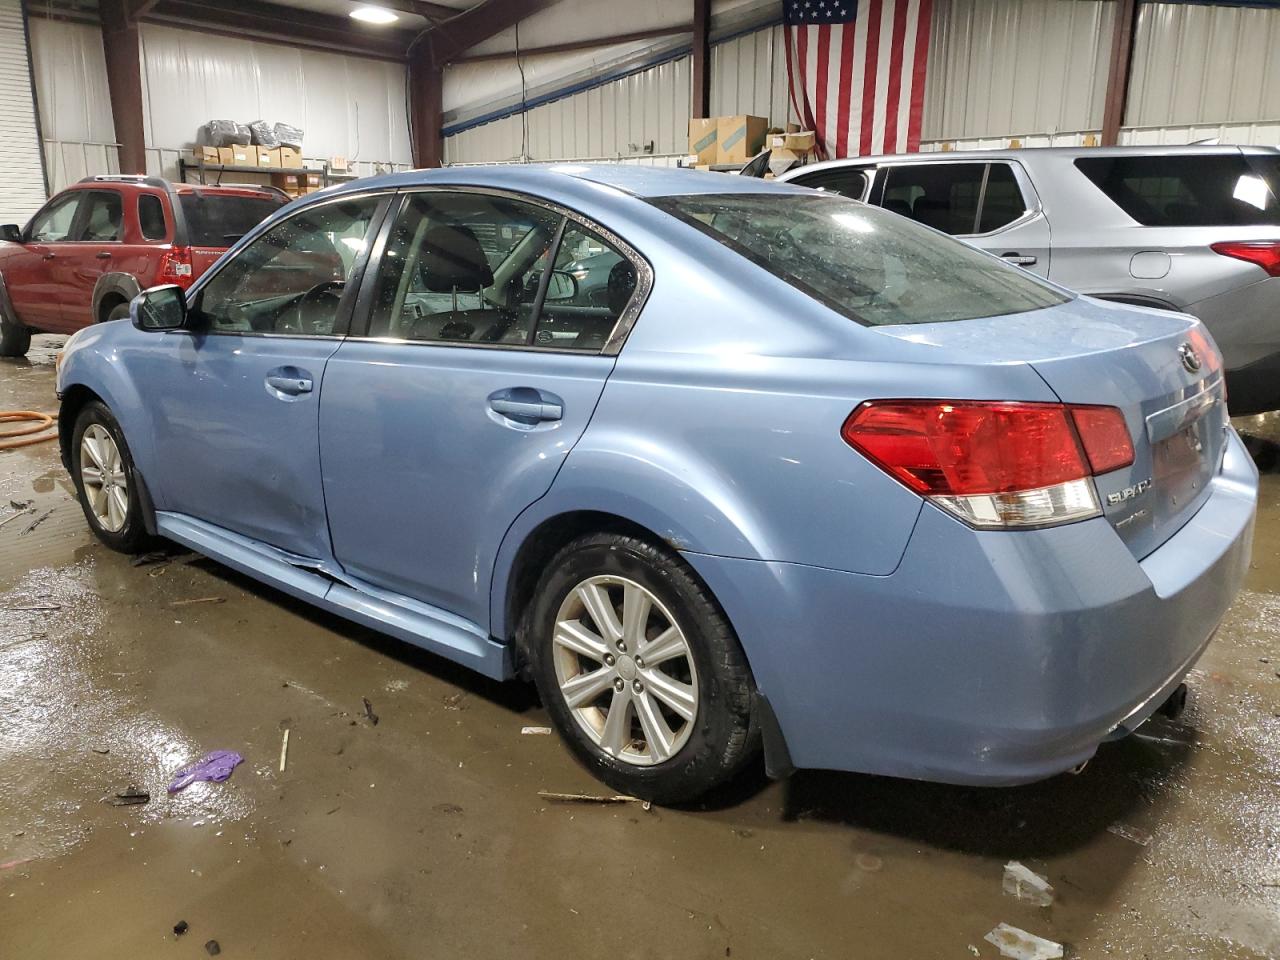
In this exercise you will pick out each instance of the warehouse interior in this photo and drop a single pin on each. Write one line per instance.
(391, 803)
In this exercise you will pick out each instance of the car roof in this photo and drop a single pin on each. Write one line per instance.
(1012, 153)
(537, 178)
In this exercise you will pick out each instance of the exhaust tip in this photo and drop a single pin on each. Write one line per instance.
(1176, 703)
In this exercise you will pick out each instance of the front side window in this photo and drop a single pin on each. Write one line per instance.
(1206, 190)
(53, 223)
(848, 182)
(103, 217)
(861, 262)
(291, 280)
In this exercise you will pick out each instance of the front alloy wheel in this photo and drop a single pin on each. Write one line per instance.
(103, 478)
(625, 670)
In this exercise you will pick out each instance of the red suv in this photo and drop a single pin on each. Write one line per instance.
(93, 247)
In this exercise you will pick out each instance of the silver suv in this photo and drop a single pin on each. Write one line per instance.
(1195, 229)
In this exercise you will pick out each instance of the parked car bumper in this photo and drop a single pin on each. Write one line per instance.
(987, 657)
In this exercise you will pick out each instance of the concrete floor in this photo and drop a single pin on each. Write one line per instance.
(424, 836)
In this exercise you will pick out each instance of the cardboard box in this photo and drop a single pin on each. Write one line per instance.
(289, 157)
(235, 156)
(739, 138)
(800, 142)
(207, 154)
(703, 132)
(338, 163)
(265, 158)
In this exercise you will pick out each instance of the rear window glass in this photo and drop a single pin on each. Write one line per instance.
(867, 264)
(1189, 190)
(219, 220)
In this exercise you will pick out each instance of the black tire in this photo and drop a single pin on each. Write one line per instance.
(132, 537)
(119, 312)
(722, 737)
(15, 339)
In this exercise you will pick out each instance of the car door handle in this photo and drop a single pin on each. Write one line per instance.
(104, 255)
(1018, 259)
(527, 405)
(290, 385)
(49, 256)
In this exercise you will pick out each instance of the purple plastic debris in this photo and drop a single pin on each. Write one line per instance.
(215, 767)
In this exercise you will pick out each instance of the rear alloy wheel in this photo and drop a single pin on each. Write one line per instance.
(106, 480)
(640, 669)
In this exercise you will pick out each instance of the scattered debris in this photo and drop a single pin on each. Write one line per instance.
(1027, 885)
(36, 522)
(38, 607)
(130, 798)
(15, 863)
(212, 948)
(974, 950)
(535, 731)
(1020, 945)
(284, 749)
(180, 928)
(368, 711)
(21, 504)
(214, 767)
(102, 750)
(868, 862)
(187, 603)
(21, 513)
(1132, 834)
(143, 559)
(447, 808)
(453, 701)
(591, 798)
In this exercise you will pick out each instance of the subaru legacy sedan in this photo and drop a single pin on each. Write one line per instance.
(796, 476)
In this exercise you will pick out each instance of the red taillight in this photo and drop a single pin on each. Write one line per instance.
(1262, 253)
(1105, 436)
(991, 463)
(176, 267)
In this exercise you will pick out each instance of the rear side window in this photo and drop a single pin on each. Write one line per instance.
(847, 182)
(956, 198)
(1189, 190)
(860, 261)
(103, 215)
(151, 217)
(219, 219)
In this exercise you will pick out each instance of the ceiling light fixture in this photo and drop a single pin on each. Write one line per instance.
(378, 15)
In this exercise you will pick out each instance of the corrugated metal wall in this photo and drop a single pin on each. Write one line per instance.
(998, 68)
(749, 75)
(617, 119)
(1197, 64)
(22, 186)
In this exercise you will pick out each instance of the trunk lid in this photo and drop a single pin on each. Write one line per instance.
(1126, 357)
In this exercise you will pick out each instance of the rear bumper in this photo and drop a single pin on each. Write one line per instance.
(987, 657)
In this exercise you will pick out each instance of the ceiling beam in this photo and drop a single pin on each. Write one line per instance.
(1117, 95)
(137, 9)
(420, 8)
(253, 19)
(571, 45)
(700, 105)
(122, 49)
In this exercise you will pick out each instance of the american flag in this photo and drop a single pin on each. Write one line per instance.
(857, 72)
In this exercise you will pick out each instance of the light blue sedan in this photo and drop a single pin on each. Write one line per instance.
(797, 477)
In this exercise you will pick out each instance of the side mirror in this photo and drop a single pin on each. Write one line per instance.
(159, 309)
(562, 286)
(11, 232)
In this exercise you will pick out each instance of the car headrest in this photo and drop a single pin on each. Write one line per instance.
(452, 259)
(900, 207)
(622, 283)
(933, 213)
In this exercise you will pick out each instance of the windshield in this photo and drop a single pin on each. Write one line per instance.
(870, 265)
(220, 219)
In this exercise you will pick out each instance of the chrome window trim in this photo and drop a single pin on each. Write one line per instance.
(466, 345)
(1029, 193)
(250, 239)
(626, 320)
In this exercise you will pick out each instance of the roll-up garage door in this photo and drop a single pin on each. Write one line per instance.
(22, 188)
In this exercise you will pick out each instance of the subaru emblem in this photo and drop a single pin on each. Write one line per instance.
(1190, 359)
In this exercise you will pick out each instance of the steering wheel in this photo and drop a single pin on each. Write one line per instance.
(297, 321)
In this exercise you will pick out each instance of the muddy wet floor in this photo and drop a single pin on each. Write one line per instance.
(424, 835)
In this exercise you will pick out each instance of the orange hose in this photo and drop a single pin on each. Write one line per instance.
(27, 435)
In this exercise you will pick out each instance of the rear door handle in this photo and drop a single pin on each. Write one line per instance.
(290, 385)
(527, 405)
(104, 255)
(1018, 259)
(49, 256)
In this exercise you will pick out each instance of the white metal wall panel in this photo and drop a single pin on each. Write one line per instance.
(22, 187)
(1196, 64)
(71, 81)
(614, 120)
(749, 75)
(348, 106)
(997, 67)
